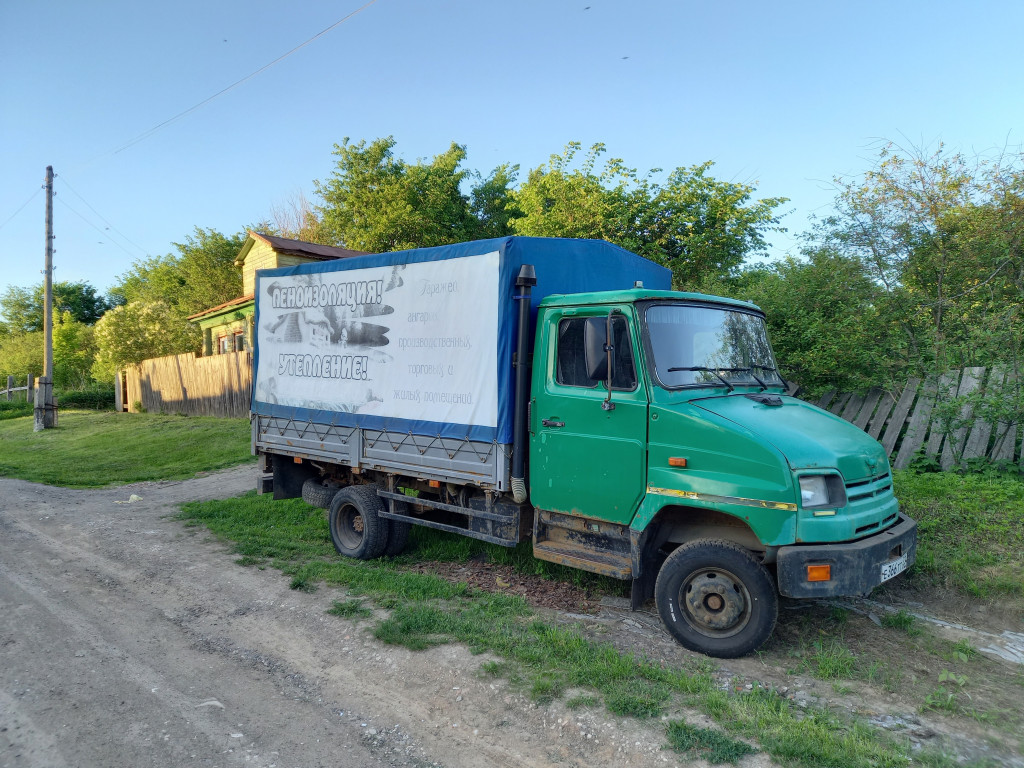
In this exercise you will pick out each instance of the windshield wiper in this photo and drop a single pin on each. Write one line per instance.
(714, 371)
(771, 368)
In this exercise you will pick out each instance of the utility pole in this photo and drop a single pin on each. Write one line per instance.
(44, 410)
(48, 278)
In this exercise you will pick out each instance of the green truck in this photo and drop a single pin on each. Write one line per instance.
(557, 391)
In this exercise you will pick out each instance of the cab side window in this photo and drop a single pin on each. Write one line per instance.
(571, 362)
(570, 356)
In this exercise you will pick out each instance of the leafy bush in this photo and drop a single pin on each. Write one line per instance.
(98, 397)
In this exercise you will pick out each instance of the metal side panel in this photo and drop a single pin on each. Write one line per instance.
(441, 458)
(336, 444)
(485, 465)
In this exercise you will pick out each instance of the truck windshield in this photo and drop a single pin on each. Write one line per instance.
(710, 347)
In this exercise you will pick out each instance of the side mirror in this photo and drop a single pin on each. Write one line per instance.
(599, 358)
(600, 353)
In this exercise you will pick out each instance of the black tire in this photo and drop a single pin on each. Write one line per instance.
(316, 494)
(357, 530)
(398, 533)
(715, 598)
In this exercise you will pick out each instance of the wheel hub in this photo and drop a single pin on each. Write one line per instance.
(713, 601)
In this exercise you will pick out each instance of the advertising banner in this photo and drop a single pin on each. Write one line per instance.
(413, 341)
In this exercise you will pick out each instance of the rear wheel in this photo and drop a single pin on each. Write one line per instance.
(715, 598)
(317, 494)
(398, 537)
(357, 529)
(398, 530)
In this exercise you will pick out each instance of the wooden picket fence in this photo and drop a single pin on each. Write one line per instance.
(906, 424)
(218, 385)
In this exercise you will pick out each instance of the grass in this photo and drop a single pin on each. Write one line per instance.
(92, 450)
(903, 621)
(350, 609)
(970, 530)
(706, 743)
(545, 660)
(15, 409)
(583, 701)
(831, 660)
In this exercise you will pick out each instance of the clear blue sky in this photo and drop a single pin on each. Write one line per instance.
(785, 95)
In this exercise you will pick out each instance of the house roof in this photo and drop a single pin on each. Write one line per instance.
(311, 251)
(227, 305)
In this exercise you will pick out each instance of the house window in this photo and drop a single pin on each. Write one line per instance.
(239, 341)
(224, 344)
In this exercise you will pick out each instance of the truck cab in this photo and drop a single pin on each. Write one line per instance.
(664, 449)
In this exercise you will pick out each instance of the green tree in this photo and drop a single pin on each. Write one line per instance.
(942, 235)
(74, 350)
(206, 262)
(824, 322)
(137, 331)
(22, 308)
(202, 274)
(158, 294)
(21, 354)
(492, 202)
(155, 278)
(701, 228)
(376, 202)
(558, 200)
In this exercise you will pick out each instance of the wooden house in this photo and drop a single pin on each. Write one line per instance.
(229, 326)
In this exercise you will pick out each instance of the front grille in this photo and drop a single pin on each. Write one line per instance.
(866, 489)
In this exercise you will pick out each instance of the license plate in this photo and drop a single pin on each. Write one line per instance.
(894, 567)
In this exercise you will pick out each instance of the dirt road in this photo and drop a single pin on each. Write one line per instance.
(127, 639)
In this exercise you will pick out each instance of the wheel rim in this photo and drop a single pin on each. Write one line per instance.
(349, 527)
(715, 602)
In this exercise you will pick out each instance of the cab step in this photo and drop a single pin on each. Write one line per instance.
(578, 542)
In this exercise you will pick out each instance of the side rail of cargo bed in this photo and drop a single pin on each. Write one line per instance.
(485, 465)
(498, 521)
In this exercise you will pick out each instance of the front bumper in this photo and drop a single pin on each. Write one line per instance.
(856, 565)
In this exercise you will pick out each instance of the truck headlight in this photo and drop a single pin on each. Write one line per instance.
(822, 491)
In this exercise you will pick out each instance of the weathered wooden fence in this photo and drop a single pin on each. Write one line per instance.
(907, 424)
(8, 394)
(198, 386)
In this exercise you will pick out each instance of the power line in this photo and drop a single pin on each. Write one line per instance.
(83, 218)
(22, 208)
(71, 189)
(237, 83)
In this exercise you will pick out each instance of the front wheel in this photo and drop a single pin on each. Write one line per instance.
(715, 598)
(357, 529)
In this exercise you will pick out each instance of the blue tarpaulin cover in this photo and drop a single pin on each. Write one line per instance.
(563, 266)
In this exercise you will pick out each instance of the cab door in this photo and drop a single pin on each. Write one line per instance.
(586, 460)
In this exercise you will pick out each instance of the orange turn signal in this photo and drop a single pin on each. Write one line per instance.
(677, 461)
(434, 483)
(297, 459)
(819, 573)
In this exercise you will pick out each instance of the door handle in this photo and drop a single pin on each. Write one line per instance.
(552, 423)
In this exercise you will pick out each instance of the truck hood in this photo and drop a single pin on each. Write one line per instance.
(807, 436)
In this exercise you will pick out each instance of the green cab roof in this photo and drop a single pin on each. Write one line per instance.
(632, 295)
